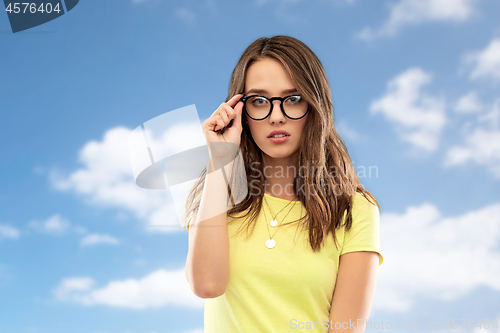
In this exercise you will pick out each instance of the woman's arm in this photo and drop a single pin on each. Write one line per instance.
(207, 262)
(354, 291)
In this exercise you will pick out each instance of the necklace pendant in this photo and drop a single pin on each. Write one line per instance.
(273, 223)
(270, 243)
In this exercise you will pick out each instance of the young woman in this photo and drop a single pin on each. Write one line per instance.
(311, 250)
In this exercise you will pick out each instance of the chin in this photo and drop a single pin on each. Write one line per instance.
(279, 152)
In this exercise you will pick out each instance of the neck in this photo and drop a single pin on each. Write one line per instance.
(280, 174)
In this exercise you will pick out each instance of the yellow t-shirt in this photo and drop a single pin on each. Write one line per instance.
(284, 288)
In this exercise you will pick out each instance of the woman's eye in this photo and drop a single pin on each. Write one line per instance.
(259, 101)
(293, 99)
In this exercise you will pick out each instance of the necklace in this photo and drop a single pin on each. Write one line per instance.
(270, 243)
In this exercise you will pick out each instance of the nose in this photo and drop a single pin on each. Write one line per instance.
(276, 114)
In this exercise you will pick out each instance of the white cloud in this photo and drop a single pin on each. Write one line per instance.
(418, 117)
(158, 289)
(469, 103)
(486, 62)
(54, 225)
(346, 131)
(69, 286)
(186, 15)
(106, 179)
(95, 239)
(437, 257)
(8, 232)
(412, 12)
(482, 147)
(481, 143)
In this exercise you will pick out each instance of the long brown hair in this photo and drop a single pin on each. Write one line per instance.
(320, 146)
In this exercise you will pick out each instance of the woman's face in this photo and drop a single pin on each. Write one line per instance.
(268, 77)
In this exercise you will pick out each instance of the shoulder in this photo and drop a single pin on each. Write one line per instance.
(362, 205)
(364, 233)
(365, 217)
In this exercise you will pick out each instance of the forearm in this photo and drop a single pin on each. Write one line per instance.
(207, 264)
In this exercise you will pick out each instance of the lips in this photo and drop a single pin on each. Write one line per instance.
(275, 132)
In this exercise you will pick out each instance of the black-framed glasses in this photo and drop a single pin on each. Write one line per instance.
(259, 107)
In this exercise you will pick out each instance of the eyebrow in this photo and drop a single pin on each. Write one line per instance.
(263, 91)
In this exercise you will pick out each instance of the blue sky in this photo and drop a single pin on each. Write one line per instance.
(415, 88)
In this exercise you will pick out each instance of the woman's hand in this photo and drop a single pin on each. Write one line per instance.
(225, 113)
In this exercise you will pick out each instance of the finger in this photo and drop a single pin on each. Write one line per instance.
(238, 109)
(219, 124)
(232, 102)
(224, 114)
(214, 123)
(229, 111)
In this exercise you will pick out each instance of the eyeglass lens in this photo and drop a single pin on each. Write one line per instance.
(258, 107)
